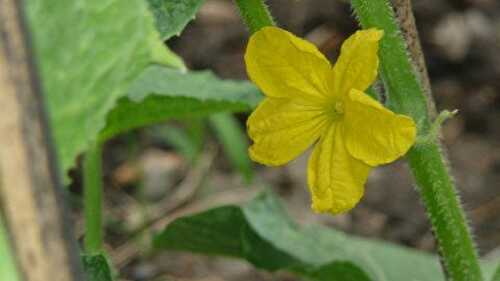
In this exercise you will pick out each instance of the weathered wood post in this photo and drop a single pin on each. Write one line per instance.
(31, 204)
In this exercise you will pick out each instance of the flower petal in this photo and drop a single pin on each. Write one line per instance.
(375, 134)
(336, 179)
(285, 66)
(357, 64)
(282, 129)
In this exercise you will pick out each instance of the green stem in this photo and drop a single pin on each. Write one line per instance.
(255, 14)
(436, 187)
(92, 181)
(428, 164)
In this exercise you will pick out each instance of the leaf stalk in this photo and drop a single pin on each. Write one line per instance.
(255, 14)
(92, 197)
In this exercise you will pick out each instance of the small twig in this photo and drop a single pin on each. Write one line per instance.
(183, 194)
(404, 14)
(185, 191)
(493, 254)
(123, 254)
(233, 196)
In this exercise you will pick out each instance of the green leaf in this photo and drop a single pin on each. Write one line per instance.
(96, 268)
(174, 60)
(264, 235)
(173, 15)
(88, 53)
(8, 269)
(339, 270)
(234, 142)
(214, 232)
(162, 93)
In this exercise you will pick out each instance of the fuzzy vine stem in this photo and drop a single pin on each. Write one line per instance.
(427, 162)
(255, 14)
(92, 197)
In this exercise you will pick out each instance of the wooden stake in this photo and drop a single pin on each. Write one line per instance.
(30, 191)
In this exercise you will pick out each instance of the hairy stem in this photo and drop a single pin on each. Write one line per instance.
(427, 162)
(255, 14)
(92, 181)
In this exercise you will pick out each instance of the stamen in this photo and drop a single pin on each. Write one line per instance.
(339, 107)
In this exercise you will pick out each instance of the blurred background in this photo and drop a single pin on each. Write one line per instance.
(155, 175)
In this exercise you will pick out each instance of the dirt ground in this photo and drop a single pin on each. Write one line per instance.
(461, 42)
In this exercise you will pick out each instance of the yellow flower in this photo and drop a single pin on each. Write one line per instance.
(308, 101)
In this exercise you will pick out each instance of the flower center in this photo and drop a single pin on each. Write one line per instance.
(338, 107)
(336, 110)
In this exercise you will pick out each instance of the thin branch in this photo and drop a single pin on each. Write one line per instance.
(404, 14)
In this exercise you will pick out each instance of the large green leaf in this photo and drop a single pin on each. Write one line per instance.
(88, 53)
(264, 235)
(161, 93)
(174, 60)
(96, 268)
(173, 15)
